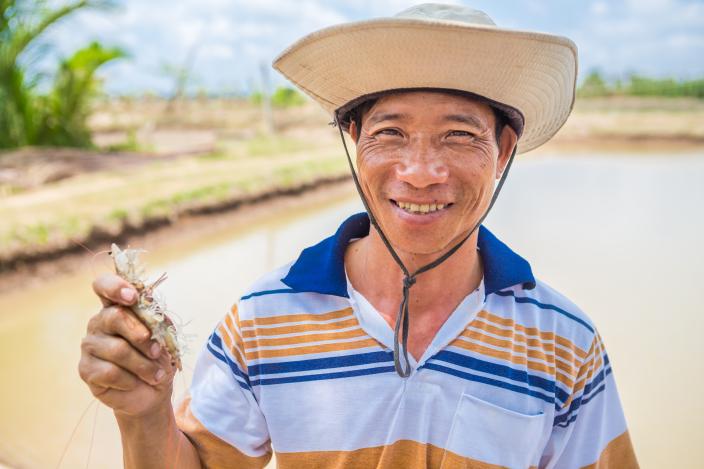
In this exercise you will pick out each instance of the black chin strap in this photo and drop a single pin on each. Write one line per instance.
(403, 367)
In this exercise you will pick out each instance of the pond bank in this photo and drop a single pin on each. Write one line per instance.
(30, 269)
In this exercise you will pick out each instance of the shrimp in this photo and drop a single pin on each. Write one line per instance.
(150, 307)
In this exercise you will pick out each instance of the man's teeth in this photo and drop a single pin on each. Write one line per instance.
(420, 208)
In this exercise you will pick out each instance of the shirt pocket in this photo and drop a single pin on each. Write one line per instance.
(486, 432)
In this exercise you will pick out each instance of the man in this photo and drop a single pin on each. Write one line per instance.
(412, 337)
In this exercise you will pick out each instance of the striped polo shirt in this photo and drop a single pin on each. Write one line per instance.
(303, 366)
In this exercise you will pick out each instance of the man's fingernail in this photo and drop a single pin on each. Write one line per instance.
(155, 350)
(159, 374)
(127, 294)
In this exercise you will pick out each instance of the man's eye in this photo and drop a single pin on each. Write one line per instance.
(392, 132)
(460, 133)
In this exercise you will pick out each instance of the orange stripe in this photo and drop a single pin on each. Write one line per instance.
(534, 331)
(230, 346)
(299, 328)
(406, 454)
(236, 347)
(302, 339)
(257, 354)
(514, 355)
(618, 454)
(530, 341)
(212, 451)
(504, 355)
(296, 318)
(233, 330)
(587, 371)
(520, 349)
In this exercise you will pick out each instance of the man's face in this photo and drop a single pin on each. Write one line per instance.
(427, 165)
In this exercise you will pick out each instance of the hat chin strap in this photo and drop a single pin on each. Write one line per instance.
(401, 362)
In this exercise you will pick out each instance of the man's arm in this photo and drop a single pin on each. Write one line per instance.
(590, 431)
(155, 441)
(130, 373)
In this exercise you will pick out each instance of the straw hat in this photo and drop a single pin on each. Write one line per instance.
(440, 46)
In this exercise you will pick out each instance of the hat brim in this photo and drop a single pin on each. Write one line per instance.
(534, 73)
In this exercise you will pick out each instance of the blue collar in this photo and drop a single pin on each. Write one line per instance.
(320, 268)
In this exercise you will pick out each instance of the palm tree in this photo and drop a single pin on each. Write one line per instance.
(23, 114)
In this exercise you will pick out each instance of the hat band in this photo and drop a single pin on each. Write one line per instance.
(514, 117)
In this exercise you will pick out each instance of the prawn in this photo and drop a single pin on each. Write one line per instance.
(150, 307)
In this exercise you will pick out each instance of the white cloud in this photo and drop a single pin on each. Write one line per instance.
(599, 8)
(234, 37)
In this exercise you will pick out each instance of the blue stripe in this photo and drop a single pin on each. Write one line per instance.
(524, 299)
(571, 414)
(342, 374)
(231, 365)
(268, 292)
(566, 424)
(504, 371)
(216, 341)
(320, 363)
(490, 381)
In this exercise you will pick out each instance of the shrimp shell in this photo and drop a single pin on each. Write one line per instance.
(149, 308)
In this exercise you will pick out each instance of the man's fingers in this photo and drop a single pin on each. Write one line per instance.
(112, 289)
(101, 374)
(119, 352)
(120, 321)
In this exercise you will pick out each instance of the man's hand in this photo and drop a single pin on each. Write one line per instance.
(133, 375)
(122, 366)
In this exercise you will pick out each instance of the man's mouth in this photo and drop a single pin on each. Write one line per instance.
(419, 209)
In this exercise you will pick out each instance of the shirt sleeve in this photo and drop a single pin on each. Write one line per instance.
(220, 415)
(590, 430)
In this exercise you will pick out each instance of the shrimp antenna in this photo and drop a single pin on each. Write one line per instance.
(73, 432)
(95, 254)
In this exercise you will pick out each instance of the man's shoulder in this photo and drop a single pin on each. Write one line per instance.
(270, 296)
(543, 310)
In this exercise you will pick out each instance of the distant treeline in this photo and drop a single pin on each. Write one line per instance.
(595, 85)
(283, 96)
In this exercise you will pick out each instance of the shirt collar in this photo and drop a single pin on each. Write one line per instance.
(320, 268)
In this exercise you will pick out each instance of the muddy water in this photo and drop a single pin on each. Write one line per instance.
(620, 235)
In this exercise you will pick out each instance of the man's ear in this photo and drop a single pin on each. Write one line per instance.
(353, 130)
(507, 142)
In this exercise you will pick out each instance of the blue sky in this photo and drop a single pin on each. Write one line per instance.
(229, 39)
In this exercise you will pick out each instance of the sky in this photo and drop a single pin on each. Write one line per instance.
(228, 42)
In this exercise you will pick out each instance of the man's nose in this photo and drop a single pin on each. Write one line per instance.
(421, 166)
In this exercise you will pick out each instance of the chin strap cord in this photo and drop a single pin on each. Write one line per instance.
(401, 361)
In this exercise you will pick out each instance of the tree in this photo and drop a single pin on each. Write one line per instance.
(593, 86)
(67, 107)
(25, 115)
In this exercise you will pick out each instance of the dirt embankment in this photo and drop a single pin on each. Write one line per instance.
(33, 268)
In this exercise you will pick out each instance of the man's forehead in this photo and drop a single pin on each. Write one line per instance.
(438, 105)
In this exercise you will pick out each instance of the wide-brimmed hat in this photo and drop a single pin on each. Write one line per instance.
(449, 47)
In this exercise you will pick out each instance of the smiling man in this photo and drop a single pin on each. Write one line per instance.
(412, 337)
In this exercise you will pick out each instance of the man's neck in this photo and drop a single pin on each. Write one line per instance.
(437, 292)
